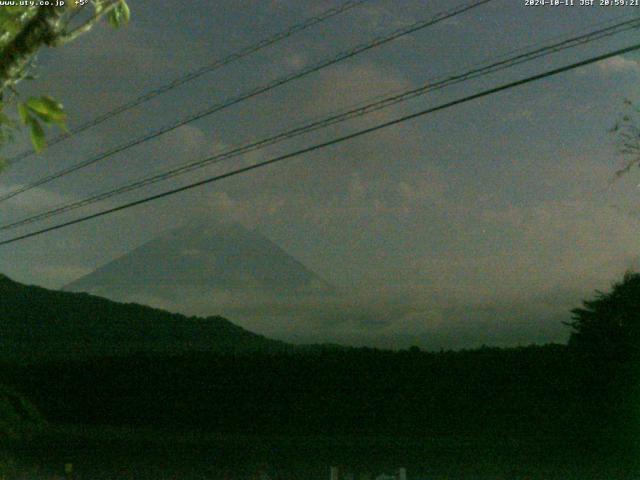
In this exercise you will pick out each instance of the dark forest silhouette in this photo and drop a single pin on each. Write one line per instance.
(577, 398)
(609, 324)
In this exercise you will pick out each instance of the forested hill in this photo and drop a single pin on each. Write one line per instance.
(36, 322)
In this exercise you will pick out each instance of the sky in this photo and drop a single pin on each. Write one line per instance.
(482, 223)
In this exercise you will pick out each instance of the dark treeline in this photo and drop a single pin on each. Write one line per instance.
(581, 399)
(531, 392)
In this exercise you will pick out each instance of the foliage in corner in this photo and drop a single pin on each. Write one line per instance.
(41, 109)
(24, 31)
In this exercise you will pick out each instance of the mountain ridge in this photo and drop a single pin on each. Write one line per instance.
(37, 322)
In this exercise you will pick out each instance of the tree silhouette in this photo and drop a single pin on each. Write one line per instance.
(627, 131)
(610, 323)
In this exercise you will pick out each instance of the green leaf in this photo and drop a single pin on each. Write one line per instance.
(37, 135)
(25, 116)
(47, 109)
(113, 18)
(120, 15)
(126, 11)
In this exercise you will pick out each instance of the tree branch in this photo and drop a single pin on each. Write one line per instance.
(67, 37)
(41, 30)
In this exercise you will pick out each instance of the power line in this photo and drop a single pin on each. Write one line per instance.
(378, 41)
(430, 85)
(334, 141)
(215, 65)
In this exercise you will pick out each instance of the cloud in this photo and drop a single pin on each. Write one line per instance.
(229, 207)
(619, 64)
(541, 247)
(29, 203)
(377, 18)
(345, 85)
(525, 115)
(58, 273)
(375, 316)
(296, 60)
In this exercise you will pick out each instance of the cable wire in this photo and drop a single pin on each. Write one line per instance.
(378, 41)
(322, 145)
(215, 65)
(429, 86)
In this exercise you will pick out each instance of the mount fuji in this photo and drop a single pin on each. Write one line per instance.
(205, 269)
